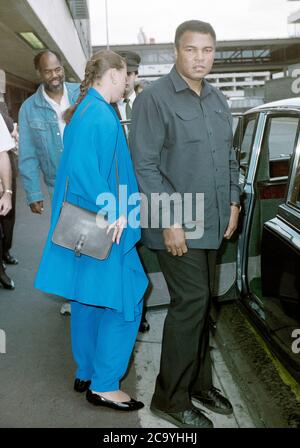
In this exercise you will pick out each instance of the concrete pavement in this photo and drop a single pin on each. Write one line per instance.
(37, 370)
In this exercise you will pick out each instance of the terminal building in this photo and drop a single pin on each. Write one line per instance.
(29, 26)
(241, 70)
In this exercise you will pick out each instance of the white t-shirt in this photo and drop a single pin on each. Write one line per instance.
(6, 140)
(59, 108)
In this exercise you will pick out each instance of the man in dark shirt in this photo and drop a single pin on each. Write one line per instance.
(181, 142)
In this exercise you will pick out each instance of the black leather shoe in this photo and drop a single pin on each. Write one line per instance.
(213, 400)
(191, 418)
(81, 386)
(97, 400)
(5, 281)
(9, 259)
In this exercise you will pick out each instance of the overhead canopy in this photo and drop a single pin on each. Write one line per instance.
(53, 29)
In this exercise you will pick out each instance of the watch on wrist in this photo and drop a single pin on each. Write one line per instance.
(8, 191)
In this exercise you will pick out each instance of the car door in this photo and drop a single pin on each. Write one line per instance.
(265, 189)
(228, 260)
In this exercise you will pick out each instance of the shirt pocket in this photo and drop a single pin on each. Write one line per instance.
(223, 124)
(187, 126)
(38, 125)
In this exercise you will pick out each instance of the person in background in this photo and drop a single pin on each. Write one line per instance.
(141, 85)
(8, 221)
(6, 144)
(181, 142)
(41, 128)
(125, 104)
(106, 295)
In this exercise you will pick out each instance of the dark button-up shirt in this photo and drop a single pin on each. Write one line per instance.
(182, 143)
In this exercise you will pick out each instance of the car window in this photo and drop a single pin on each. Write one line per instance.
(281, 136)
(246, 145)
(294, 190)
(279, 142)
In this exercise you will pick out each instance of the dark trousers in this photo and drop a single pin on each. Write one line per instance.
(185, 366)
(7, 222)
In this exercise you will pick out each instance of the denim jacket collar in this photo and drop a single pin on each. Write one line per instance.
(40, 100)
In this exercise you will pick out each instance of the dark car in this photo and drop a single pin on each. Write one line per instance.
(262, 266)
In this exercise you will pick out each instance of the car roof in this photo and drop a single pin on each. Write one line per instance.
(293, 103)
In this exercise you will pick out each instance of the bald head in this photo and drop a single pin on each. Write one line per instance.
(48, 64)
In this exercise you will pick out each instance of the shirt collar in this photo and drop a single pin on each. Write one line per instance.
(63, 101)
(131, 98)
(180, 84)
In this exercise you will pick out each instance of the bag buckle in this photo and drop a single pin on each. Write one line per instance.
(79, 245)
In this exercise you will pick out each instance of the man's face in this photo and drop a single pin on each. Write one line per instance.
(195, 55)
(52, 73)
(130, 82)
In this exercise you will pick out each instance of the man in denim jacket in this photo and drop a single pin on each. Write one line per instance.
(41, 128)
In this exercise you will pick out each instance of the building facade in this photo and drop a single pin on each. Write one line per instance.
(29, 26)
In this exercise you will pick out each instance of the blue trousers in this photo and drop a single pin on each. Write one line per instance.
(102, 343)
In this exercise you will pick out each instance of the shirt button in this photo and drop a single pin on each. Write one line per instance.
(58, 133)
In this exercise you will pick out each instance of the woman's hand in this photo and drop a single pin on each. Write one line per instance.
(118, 227)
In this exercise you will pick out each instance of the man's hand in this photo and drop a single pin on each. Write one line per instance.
(174, 239)
(37, 207)
(233, 222)
(5, 204)
(15, 134)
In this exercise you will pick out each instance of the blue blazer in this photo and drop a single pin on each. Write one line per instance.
(119, 282)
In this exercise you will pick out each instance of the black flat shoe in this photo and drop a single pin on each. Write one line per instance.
(6, 282)
(144, 327)
(81, 386)
(9, 259)
(97, 400)
(213, 400)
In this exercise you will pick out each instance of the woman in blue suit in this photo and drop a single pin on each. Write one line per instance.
(106, 295)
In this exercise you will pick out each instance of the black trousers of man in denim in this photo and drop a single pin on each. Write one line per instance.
(185, 366)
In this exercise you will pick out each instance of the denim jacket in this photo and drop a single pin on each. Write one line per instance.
(40, 142)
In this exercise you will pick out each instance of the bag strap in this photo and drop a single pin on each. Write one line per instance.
(117, 168)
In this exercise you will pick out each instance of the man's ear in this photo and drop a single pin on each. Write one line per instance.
(175, 52)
